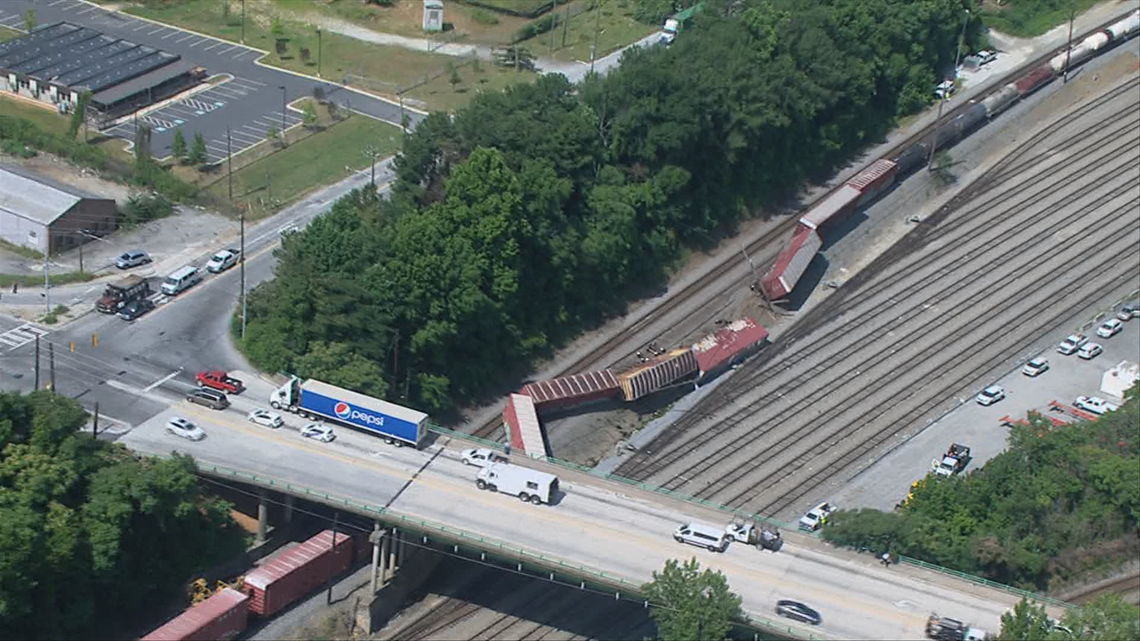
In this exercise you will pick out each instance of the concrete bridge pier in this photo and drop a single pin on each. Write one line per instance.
(262, 515)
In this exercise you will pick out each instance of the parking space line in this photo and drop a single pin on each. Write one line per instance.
(151, 33)
(15, 20)
(228, 49)
(52, 4)
(236, 94)
(216, 44)
(240, 54)
(245, 140)
(253, 81)
(222, 151)
(142, 25)
(172, 32)
(186, 37)
(87, 10)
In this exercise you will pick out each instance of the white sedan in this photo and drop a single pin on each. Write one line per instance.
(316, 431)
(222, 261)
(991, 395)
(816, 517)
(481, 457)
(179, 426)
(266, 418)
(1035, 367)
(1109, 328)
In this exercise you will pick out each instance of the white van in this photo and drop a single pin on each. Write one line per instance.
(181, 280)
(702, 535)
(523, 482)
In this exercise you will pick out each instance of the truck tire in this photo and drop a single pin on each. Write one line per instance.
(678, 539)
(481, 484)
(536, 499)
(524, 497)
(466, 462)
(713, 548)
(275, 405)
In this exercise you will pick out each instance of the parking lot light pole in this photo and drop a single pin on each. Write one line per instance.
(319, 50)
(282, 114)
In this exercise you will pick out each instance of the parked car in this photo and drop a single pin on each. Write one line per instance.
(1090, 351)
(1129, 311)
(179, 426)
(1109, 328)
(136, 308)
(1072, 343)
(208, 398)
(702, 535)
(318, 432)
(816, 517)
(481, 457)
(991, 395)
(986, 56)
(1094, 404)
(223, 260)
(798, 611)
(266, 418)
(1035, 367)
(132, 258)
(944, 90)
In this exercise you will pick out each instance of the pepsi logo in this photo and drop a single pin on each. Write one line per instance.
(342, 410)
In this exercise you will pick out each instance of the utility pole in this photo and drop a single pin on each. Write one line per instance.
(47, 283)
(332, 551)
(553, 15)
(1069, 47)
(95, 422)
(282, 115)
(241, 260)
(268, 187)
(565, 24)
(243, 21)
(946, 95)
(319, 50)
(37, 383)
(230, 160)
(51, 366)
(81, 252)
(597, 28)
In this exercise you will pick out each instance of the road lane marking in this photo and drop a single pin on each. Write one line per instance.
(162, 380)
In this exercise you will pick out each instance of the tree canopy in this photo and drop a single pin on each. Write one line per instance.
(537, 212)
(1105, 618)
(91, 536)
(691, 604)
(1057, 502)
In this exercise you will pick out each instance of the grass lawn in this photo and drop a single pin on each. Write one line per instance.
(464, 23)
(441, 94)
(32, 280)
(391, 67)
(616, 28)
(313, 162)
(1025, 19)
(8, 34)
(51, 121)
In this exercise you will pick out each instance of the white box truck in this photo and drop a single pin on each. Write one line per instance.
(523, 482)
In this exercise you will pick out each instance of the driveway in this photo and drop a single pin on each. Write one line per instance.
(248, 99)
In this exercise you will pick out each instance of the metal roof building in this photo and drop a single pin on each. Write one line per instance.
(41, 214)
(58, 62)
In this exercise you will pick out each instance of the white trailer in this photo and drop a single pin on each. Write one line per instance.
(523, 482)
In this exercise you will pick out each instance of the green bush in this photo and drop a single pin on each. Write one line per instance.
(16, 132)
(653, 11)
(143, 208)
(482, 16)
(537, 27)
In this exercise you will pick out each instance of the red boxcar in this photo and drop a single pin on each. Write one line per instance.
(874, 179)
(1033, 80)
(781, 279)
(523, 430)
(219, 618)
(729, 344)
(297, 572)
(831, 208)
(657, 375)
(570, 390)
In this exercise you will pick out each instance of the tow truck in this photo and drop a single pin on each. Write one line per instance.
(955, 460)
(755, 534)
(219, 380)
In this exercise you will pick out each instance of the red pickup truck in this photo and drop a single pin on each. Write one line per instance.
(220, 381)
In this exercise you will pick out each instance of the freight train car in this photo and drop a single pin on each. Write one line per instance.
(791, 263)
(290, 576)
(573, 390)
(660, 373)
(220, 617)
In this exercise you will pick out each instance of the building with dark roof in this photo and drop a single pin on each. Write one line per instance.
(47, 216)
(58, 62)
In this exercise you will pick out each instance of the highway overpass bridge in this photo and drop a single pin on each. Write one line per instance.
(599, 531)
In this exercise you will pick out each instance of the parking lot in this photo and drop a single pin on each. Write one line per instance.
(887, 482)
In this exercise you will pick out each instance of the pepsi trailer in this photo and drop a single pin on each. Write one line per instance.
(314, 399)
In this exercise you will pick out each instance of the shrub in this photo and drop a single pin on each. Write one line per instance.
(482, 16)
(538, 27)
(143, 208)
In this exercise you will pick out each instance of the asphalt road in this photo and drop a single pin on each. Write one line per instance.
(249, 101)
(592, 523)
(160, 352)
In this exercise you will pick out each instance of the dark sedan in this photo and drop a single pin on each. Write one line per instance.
(136, 308)
(798, 611)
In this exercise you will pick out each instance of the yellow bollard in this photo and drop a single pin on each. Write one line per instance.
(94, 340)
(71, 345)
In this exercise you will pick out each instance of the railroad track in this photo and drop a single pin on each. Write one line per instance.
(739, 430)
(980, 233)
(763, 250)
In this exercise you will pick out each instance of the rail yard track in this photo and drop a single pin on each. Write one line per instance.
(910, 329)
(728, 275)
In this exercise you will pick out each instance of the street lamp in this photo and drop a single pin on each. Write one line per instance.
(946, 94)
(319, 49)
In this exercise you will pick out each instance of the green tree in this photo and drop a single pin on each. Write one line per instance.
(142, 147)
(198, 153)
(308, 114)
(1026, 622)
(1105, 618)
(690, 603)
(338, 364)
(79, 114)
(178, 145)
(30, 20)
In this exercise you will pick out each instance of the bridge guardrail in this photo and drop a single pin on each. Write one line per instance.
(443, 431)
(463, 535)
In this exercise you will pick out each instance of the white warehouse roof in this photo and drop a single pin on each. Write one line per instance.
(36, 199)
